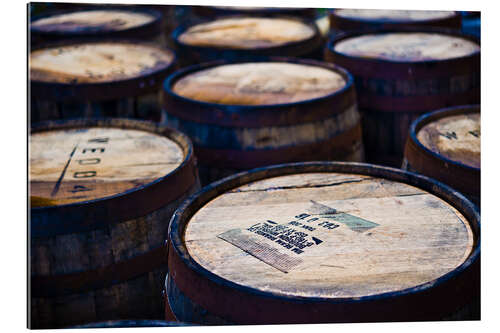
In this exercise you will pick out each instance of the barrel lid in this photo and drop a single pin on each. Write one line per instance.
(259, 83)
(93, 20)
(80, 70)
(81, 167)
(453, 134)
(391, 15)
(242, 32)
(407, 46)
(97, 62)
(327, 231)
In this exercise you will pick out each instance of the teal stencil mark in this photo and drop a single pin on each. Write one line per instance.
(352, 222)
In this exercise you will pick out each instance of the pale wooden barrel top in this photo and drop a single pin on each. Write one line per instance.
(407, 46)
(64, 166)
(96, 62)
(259, 83)
(246, 33)
(105, 20)
(394, 15)
(457, 138)
(328, 235)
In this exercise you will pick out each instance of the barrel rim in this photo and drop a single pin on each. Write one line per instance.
(93, 90)
(391, 21)
(429, 117)
(132, 323)
(157, 18)
(234, 108)
(177, 32)
(76, 208)
(186, 210)
(330, 46)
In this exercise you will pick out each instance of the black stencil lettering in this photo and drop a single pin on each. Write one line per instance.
(92, 150)
(99, 140)
(89, 161)
(84, 174)
(474, 133)
(80, 188)
(449, 135)
(317, 240)
(302, 216)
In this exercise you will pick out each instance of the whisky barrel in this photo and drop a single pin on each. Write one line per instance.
(98, 79)
(446, 145)
(251, 114)
(217, 11)
(246, 38)
(400, 75)
(101, 195)
(323, 242)
(358, 19)
(103, 22)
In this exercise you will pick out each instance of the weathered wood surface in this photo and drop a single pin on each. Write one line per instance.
(67, 80)
(446, 145)
(102, 194)
(259, 83)
(276, 112)
(357, 19)
(98, 21)
(401, 75)
(244, 37)
(322, 247)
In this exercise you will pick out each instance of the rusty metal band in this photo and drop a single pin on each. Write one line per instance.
(351, 23)
(246, 305)
(254, 116)
(422, 103)
(140, 201)
(339, 147)
(77, 283)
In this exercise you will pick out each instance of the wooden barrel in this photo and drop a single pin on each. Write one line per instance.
(358, 19)
(251, 114)
(101, 196)
(323, 242)
(217, 11)
(400, 75)
(246, 38)
(446, 145)
(98, 22)
(98, 79)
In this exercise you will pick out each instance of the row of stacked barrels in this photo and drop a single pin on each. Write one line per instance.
(134, 108)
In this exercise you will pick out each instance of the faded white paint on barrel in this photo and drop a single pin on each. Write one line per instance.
(393, 15)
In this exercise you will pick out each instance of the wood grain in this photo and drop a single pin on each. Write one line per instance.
(455, 137)
(246, 33)
(393, 15)
(96, 62)
(371, 236)
(84, 164)
(259, 83)
(104, 20)
(406, 46)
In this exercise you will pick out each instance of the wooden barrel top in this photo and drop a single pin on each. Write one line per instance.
(97, 62)
(393, 15)
(75, 165)
(456, 137)
(246, 33)
(259, 83)
(93, 20)
(407, 46)
(328, 235)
